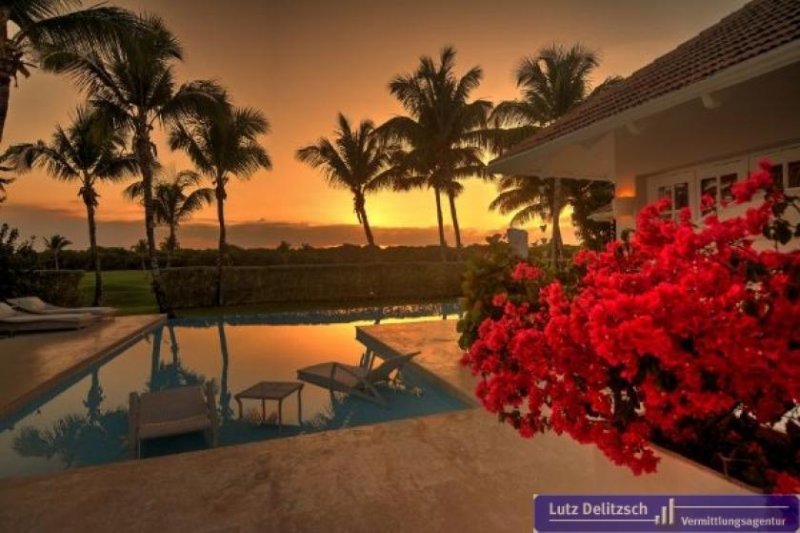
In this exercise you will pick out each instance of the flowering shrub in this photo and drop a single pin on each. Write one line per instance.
(686, 336)
(487, 279)
(489, 275)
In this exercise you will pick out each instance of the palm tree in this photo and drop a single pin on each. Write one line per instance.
(44, 26)
(88, 151)
(55, 244)
(443, 133)
(356, 160)
(552, 82)
(173, 203)
(134, 85)
(221, 143)
(521, 195)
(224, 389)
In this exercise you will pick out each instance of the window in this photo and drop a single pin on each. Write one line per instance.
(785, 166)
(716, 182)
(719, 189)
(687, 188)
(793, 174)
(677, 188)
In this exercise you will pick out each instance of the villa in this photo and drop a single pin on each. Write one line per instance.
(692, 122)
(375, 422)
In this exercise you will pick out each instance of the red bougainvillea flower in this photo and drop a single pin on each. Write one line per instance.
(525, 272)
(786, 484)
(677, 329)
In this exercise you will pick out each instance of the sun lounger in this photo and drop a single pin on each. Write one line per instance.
(171, 412)
(12, 321)
(37, 306)
(354, 380)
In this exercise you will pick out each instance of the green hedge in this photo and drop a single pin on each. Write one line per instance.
(194, 286)
(58, 287)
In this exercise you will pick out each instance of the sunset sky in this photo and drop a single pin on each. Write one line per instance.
(303, 61)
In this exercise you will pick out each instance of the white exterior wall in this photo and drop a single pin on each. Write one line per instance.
(690, 142)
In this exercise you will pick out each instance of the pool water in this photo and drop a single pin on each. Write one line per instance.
(85, 422)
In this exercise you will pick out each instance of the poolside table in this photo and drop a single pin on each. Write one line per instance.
(273, 390)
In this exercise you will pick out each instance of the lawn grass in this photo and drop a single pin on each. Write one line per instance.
(127, 290)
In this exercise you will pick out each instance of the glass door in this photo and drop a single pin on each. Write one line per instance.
(677, 187)
(716, 184)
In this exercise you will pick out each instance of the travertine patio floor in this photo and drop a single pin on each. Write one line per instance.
(35, 362)
(459, 471)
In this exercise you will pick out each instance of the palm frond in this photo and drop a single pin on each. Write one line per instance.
(94, 28)
(134, 191)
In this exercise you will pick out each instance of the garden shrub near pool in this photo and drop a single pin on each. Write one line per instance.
(685, 336)
(194, 286)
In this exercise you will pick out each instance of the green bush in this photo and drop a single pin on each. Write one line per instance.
(489, 273)
(189, 287)
(58, 287)
(17, 262)
(124, 259)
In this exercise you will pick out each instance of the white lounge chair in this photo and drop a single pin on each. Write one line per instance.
(37, 306)
(354, 380)
(171, 412)
(12, 321)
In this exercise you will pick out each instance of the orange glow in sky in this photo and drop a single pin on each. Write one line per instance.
(303, 61)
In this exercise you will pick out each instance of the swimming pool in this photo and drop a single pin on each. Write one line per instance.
(85, 421)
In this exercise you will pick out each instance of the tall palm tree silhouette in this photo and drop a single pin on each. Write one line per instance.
(552, 82)
(356, 160)
(44, 27)
(55, 244)
(443, 132)
(222, 142)
(173, 202)
(89, 151)
(134, 85)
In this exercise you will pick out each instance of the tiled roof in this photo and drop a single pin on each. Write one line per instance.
(757, 28)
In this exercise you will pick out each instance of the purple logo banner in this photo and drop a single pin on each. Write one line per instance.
(667, 512)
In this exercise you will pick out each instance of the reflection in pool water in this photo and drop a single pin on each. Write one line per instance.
(85, 421)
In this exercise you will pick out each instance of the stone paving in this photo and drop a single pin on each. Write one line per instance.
(32, 363)
(459, 471)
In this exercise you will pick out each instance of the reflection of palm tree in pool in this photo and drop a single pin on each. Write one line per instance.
(93, 438)
(173, 344)
(77, 439)
(224, 392)
(171, 374)
(94, 397)
(99, 436)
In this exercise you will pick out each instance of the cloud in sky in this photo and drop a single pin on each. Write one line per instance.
(33, 220)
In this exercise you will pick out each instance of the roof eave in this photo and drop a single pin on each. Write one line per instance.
(756, 66)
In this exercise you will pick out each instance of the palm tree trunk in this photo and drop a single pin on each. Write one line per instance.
(55, 257)
(555, 242)
(155, 357)
(98, 279)
(146, 164)
(454, 216)
(173, 344)
(224, 392)
(220, 194)
(361, 211)
(440, 220)
(172, 243)
(6, 68)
